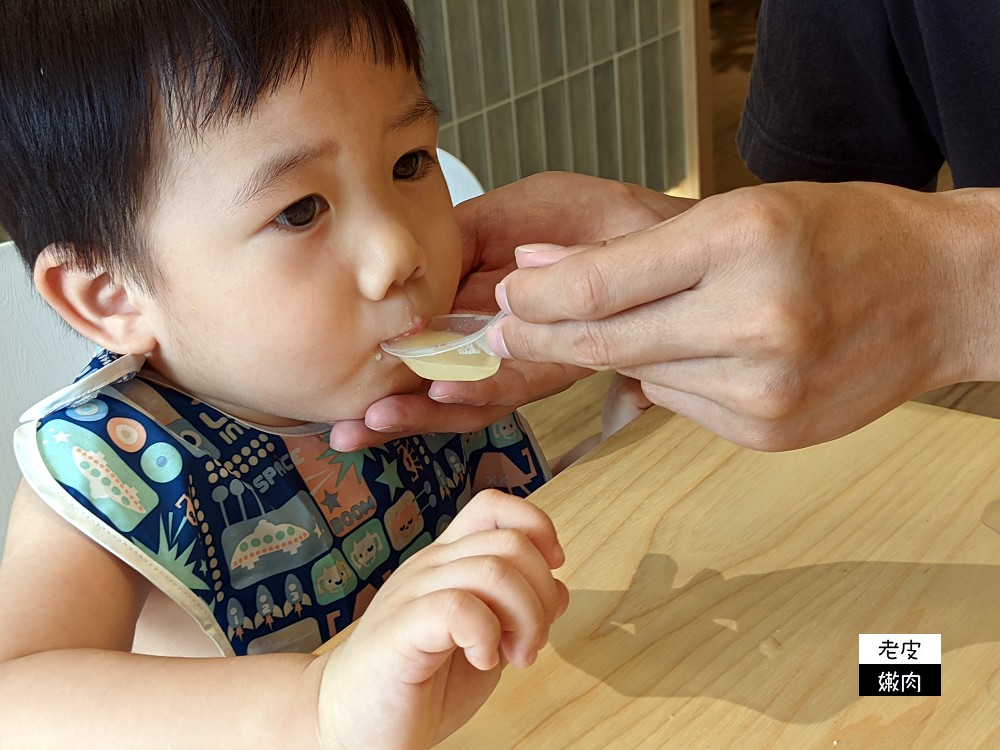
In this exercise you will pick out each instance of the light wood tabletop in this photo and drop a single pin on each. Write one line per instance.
(717, 593)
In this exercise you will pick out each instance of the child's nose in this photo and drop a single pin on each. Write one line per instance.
(392, 256)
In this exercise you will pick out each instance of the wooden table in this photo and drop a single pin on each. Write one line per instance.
(718, 593)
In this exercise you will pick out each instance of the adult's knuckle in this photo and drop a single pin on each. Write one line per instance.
(767, 214)
(787, 327)
(776, 397)
(592, 347)
(519, 340)
(589, 289)
(769, 437)
(770, 433)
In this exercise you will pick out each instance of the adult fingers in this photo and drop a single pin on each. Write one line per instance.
(714, 417)
(606, 278)
(782, 417)
(515, 384)
(748, 430)
(353, 435)
(453, 406)
(691, 324)
(624, 402)
(665, 206)
(400, 416)
(737, 385)
(558, 207)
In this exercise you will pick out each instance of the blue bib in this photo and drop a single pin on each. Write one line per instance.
(270, 539)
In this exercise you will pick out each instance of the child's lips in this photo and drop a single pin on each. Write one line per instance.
(416, 328)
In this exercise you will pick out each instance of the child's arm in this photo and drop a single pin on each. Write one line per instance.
(402, 680)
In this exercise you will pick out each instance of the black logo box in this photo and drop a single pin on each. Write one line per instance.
(889, 679)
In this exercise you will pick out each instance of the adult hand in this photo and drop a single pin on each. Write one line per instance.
(429, 649)
(556, 207)
(777, 316)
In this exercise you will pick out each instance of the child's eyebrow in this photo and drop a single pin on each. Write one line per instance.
(270, 171)
(420, 109)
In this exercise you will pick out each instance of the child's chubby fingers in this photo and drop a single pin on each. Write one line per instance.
(429, 627)
(491, 510)
(514, 529)
(515, 585)
(494, 561)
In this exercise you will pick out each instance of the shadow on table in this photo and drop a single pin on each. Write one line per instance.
(750, 639)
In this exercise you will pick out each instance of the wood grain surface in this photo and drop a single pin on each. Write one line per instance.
(718, 592)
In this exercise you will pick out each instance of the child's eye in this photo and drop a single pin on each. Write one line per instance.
(302, 213)
(413, 166)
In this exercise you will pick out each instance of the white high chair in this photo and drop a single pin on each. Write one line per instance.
(39, 353)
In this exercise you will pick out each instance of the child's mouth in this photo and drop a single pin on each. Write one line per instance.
(414, 329)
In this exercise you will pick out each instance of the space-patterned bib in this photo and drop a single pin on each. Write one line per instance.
(270, 539)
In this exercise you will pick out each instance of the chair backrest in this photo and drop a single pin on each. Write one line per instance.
(39, 353)
(462, 183)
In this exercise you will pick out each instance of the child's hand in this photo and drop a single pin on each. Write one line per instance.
(430, 648)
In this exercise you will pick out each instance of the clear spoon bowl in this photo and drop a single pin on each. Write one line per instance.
(451, 347)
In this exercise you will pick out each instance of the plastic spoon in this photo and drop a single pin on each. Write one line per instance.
(451, 347)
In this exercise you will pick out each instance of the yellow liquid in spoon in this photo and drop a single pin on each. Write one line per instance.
(453, 365)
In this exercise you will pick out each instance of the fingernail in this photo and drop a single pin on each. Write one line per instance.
(530, 658)
(538, 256)
(447, 399)
(538, 247)
(443, 392)
(559, 554)
(494, 340)
(501, 294)
(439, 392)
(372, 422)
(346, 448)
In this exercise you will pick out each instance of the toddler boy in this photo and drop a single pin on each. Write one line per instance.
(237, 201)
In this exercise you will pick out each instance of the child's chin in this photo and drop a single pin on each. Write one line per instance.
(404, 382)
(408, 384)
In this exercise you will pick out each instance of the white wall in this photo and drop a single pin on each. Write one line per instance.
(38, 355)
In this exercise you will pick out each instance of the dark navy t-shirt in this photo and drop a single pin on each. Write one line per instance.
(877, 90)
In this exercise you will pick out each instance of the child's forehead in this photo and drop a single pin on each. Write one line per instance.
(332, 87)
(203, 98)
(301, 121)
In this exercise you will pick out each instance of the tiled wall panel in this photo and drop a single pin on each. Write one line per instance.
(592, 86)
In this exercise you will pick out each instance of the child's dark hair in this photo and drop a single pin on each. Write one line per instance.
(89, 89)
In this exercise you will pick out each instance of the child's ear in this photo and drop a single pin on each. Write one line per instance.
(94, 304)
